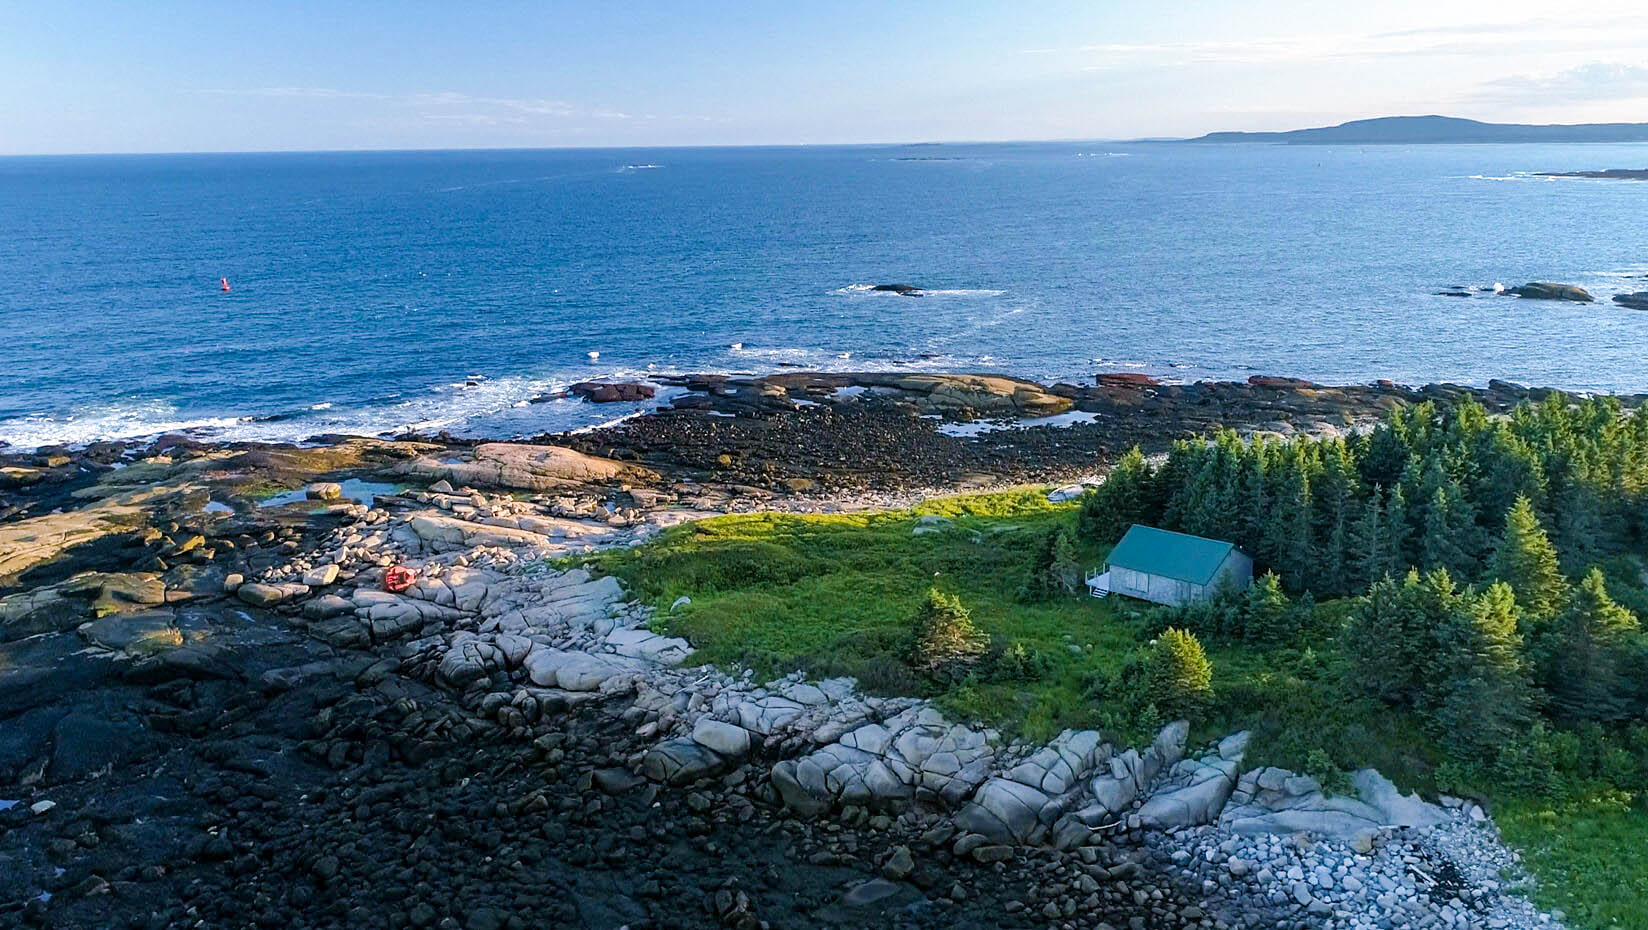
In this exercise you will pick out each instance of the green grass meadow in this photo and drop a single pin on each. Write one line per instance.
(835, 595)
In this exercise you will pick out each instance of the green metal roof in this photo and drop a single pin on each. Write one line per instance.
(1172, 555)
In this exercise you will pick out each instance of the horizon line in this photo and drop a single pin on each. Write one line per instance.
(590, 148)
(875, 144)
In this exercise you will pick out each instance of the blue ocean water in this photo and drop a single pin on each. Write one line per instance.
(368, 289)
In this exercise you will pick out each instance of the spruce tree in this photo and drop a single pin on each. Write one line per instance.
(1387, 450)
(945, 635)
(1386, 640)
(1253, 497)
(1369, 558)
(1398, 532)
(1578, 530)
(1333, 500)
(1192, 465)
(1508, 469)
(1121, 501)
(1287, 543)
(1055, 572)
(1526, 560)
(1448, 532)
(1266, 615)
(1180, 675)
(1583, 655)
(1481, 699)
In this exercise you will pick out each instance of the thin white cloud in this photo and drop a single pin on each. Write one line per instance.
(326, 93)
(1617, 34)
(1594, 81)
(1535, 24)
(477, 110)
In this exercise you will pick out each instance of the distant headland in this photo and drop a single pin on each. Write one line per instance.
(1437, 130)
(1607, 174)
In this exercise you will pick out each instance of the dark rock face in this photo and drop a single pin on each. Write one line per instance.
(1546, 290)
(606, 392)
(903, 290)
(1636, 301)
(1285, 384)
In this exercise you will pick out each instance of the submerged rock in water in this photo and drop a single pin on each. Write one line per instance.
(1636, 301)
(1545, 290)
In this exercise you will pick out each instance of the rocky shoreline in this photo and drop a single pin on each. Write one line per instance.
(807, 432)
(222, 708)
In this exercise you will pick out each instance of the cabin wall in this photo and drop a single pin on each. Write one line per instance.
(1129, 582)
(1235, 572)
(1170, 591)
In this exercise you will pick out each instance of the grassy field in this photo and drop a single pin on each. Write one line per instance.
(836, 594)
(1591, 856)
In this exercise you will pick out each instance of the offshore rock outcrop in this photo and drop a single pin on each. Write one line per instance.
(1545, 290)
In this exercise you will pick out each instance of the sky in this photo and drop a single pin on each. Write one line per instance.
(80, 76)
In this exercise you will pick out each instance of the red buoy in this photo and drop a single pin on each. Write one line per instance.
(223, 285)
(398, 578)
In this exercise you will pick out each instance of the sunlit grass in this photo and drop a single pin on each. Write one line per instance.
(834, 594)
(1591, 856)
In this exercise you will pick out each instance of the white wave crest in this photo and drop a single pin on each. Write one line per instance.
(504, 406)
(120, 420)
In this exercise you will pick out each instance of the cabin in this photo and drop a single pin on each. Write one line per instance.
(1171, 568)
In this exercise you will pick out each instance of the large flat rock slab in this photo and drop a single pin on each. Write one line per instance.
(523, 467)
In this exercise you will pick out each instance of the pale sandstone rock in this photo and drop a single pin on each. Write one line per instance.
(525, 467)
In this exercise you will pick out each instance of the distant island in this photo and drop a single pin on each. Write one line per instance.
(1607, 174)
(1437, 130)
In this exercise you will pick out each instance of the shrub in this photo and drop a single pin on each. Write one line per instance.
(1180, 676)
(945, 635)
(875, 657)
(1018, 662)
(1055, 572)
(1320, 766)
